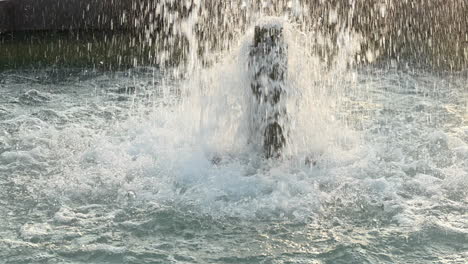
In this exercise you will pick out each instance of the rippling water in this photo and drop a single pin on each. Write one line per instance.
(99, 167)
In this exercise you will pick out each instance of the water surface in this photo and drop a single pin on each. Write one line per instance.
(100, 167)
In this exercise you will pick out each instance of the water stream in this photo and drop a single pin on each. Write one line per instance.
(154, 164)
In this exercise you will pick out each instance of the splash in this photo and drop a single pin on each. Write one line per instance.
(183, 139)
(192, 146)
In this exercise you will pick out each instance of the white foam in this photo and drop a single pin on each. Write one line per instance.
(192, 151)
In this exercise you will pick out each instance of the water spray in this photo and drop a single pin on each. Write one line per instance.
(268, 69)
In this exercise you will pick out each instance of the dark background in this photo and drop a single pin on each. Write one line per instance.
(115, 33)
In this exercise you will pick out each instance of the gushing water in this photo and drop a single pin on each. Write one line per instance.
(159, 165)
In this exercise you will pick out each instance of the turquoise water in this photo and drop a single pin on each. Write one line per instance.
(100, 167)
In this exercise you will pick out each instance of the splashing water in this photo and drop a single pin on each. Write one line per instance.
(156, 165)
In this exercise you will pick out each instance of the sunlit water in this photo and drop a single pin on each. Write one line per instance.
(146, 166)
(92, 172)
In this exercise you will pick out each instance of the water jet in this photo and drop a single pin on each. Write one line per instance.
(268, 69)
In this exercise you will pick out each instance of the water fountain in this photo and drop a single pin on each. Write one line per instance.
(422, 31)
(239, 132)
(268, 67)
